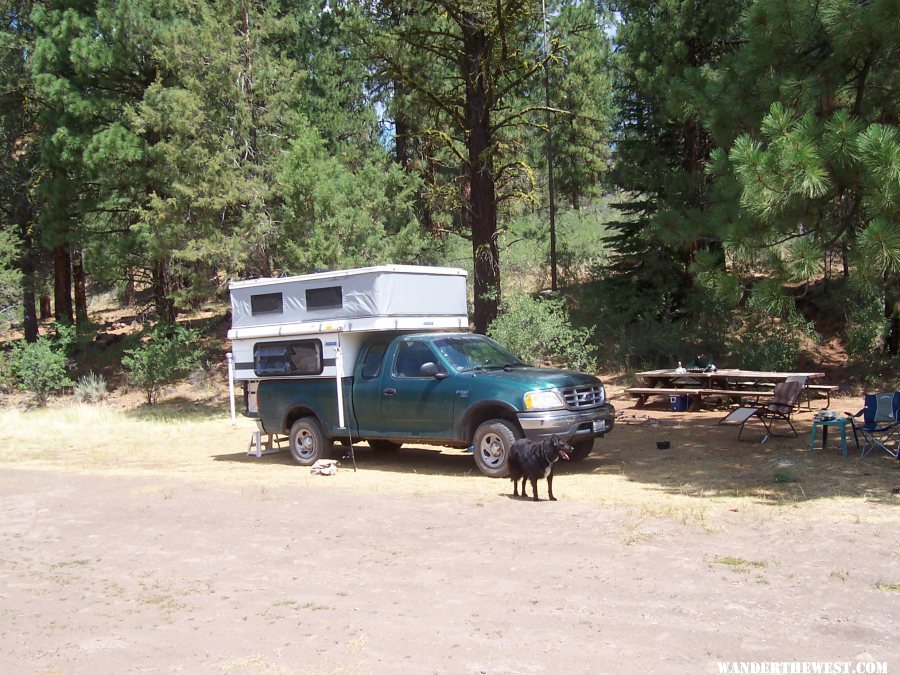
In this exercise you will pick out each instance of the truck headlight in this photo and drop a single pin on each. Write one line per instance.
(543, 399)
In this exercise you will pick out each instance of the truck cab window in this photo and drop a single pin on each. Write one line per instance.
(411, 356)
(372, 364)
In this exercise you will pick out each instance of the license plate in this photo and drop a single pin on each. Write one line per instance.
(599, 426)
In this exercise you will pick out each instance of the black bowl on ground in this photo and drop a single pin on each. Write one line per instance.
(663, 445)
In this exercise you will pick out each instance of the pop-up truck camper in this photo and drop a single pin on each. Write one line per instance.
(383, 355)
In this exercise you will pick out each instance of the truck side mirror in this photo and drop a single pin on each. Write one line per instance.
(430, 369)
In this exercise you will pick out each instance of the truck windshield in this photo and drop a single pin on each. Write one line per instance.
(469, 352)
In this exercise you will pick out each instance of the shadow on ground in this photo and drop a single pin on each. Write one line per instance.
(707, 459)
(703, 460)
(425, 460)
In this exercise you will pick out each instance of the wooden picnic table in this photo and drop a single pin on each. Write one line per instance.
(717, 379)
(731, 383)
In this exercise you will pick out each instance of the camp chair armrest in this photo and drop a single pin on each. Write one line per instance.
(855, 414)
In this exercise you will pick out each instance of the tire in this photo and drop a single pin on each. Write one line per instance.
(492, 442)
(381, 445)
(308, 441)
(581, 449)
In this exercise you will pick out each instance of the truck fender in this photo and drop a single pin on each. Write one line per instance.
(484, 411)
(295, 413)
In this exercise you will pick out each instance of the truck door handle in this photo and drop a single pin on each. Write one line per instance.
(390, 391)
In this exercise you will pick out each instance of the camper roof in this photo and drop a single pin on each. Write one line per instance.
(336, 274)
(372, 298)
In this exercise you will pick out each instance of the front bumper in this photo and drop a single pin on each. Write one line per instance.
(568, 424)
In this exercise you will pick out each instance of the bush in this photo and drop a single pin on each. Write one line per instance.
(540, 332)
(648, 344)
(203, 377)
(866, 329)
(41, 367)
(170, 353)
(7, 371)
(767, 344)
(90, 388)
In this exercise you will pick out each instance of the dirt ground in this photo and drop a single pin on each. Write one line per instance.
(192, 557)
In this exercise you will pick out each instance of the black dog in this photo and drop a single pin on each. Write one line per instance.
(533, 460)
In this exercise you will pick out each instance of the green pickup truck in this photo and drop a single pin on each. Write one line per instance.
(380, 354)
(458, 390)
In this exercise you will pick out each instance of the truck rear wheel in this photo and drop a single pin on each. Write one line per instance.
(492, 442)
(308, 441)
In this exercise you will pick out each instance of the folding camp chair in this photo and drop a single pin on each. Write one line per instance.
(802, 380)
(880, 425)
(779, 407)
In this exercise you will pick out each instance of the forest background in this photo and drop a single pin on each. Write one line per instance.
(684, 177)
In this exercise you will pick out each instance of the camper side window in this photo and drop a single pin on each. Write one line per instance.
(288, 358)
(266, 303)
(331, 297)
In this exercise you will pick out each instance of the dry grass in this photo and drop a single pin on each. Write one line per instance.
(704, 475)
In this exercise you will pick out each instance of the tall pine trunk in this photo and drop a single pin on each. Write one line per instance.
(430, 178)
(129, 293)
(250, 158)
(29, 295)
(45, 308)
(80, 286)
(62, 284)
(401, 136)
(162, 286)
(23, 215)
(481, 202)
(892, 314)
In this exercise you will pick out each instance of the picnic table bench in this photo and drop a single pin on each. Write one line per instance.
(810, 390)
(696, 393)
(821, 391)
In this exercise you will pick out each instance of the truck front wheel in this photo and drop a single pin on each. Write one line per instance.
(581, 449)
(308, 441)
(492, 442)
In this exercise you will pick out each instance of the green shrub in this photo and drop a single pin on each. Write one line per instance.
(767, 344)
(650, 320)
(41, 367)
(203, 377)
(90, 388)
(647, 344)
(170, 353)
(540, 332)
(7, 371)
(866, 329)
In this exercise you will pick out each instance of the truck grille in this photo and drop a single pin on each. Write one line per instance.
(584, 397)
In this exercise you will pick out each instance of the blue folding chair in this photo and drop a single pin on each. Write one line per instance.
(880, 424)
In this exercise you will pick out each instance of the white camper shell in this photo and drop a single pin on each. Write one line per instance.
(334, 310)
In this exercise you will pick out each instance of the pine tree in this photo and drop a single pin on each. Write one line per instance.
(470, 61)
(581, 95)
(91, 63)
(818, 173)
(19, 162)
(662, 147)
(175, 133)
